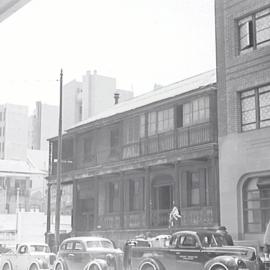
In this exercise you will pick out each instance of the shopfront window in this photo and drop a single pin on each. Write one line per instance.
(256, 204)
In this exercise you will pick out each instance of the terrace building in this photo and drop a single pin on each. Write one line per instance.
(128, 165)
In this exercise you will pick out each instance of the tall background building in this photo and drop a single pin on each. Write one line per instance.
(43, 125)
(13, 131)
(243, 80)
(95, 94)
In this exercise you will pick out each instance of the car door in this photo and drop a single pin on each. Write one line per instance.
(188, 253)
(22, 258)
(68, 255)
(81, 256)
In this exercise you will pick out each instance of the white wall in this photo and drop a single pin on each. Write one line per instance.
(240, 155)
(49, 124)
(31, 227)
(70, 104)
(16, 132)
(124, 95)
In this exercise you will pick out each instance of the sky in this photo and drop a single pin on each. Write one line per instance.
(138, 42)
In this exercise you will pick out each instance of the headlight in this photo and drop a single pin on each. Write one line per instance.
(110, 259)
(240, 264)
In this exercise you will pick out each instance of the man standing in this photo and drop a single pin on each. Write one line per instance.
(174, 216)
(266, 241)
(227, 237)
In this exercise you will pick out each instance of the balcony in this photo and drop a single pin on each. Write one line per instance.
(175, 139)
(191, 216)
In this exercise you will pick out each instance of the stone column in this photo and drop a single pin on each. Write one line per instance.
(148, 203)
(74, 206)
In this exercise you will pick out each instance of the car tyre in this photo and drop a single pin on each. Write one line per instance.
(6, 267)
(59, 266)
(94, 267)
(218, 267)
(34, 267)
(149, 266)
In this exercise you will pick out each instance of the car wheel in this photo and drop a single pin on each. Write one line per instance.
(34, 267)
(59, 266)
(6, 267)
(218, 267)
(148, 266)
(94, 267)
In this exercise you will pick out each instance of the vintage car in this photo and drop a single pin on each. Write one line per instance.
(193, 250)
(88, 253)
(28, 256)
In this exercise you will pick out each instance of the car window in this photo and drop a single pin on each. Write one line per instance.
(69, 246)
(23, 249)
(78, 246)
(188, 241)
(63, 246)
(39, 248)
(173, 241)
(210, 239)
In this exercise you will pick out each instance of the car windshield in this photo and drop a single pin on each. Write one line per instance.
(211, 240)
(99, 243)
(39, 248)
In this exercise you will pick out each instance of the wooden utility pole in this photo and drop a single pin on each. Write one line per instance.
(59, 170)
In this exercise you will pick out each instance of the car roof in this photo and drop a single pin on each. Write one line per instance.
(197, 232)
(87, 238)
(33, 244)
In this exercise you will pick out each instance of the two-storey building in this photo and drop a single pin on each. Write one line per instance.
(243, 86)
(131, 163)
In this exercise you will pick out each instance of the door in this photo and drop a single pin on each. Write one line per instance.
(22, 258)
(81, 256)
(162, 203)
(68, 255)
(188, 253)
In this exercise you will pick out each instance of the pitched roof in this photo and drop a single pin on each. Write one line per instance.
(18, 167)
(162, 93)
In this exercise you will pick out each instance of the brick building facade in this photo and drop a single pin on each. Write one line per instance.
(243, 83)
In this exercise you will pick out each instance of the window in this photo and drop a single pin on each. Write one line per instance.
(165, 120)
(196, 111)
(255, 108)
(78, 246)
(23, 249)
(256, 204)
(254, 31)
(160, 121)
(69, 245)
(135, 195)
(152, 123)
(114, 197)
(196, 188)
(88, 151)
(131, 130)
(115, 143)
(80, 111)
(142, 126)
(188, 241)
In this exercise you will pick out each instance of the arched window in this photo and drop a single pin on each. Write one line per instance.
(256, 204)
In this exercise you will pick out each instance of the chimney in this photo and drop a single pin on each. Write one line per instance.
(116, 98)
